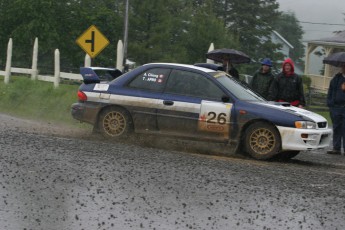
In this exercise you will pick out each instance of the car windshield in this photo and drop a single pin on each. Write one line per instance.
(239, 89)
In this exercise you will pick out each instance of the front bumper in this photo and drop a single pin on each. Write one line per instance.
(85, 112)
(304, 139)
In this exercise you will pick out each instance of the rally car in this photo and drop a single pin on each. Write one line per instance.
(200, 103)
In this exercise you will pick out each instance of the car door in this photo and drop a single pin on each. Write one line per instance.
(142, 96)
(192, 106)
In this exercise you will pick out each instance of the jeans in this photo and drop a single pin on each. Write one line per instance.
(338, 120)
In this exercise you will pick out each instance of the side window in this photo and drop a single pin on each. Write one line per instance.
(192, 84)
(152, 79)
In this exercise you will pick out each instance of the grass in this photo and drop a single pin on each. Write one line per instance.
(39, 100)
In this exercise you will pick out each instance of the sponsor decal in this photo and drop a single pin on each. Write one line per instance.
(202, 118)
(215, 128)
(101, 87)
(151, 77)
(214, 117)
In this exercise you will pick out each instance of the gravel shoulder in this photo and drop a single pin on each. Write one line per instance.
(9, 122)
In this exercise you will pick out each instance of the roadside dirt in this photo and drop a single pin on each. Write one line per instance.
(40, 127)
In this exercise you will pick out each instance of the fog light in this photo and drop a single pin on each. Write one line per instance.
(304, 135)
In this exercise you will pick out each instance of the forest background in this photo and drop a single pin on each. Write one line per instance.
(159, 31)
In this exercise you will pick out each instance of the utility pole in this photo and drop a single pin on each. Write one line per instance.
(125, 37)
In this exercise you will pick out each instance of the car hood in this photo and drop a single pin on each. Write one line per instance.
(295, 110)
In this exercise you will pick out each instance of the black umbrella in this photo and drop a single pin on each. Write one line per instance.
(229, 55)
(336, 59)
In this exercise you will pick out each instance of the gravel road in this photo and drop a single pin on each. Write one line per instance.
(58, 177)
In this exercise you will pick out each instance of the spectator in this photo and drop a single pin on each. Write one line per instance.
(230, 69)
(336, 104)
(287, 86)
(263, 78)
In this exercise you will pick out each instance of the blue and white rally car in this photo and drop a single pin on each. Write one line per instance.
(195, 102)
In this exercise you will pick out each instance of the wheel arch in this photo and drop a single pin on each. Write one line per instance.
(109, 106)
(247, 125)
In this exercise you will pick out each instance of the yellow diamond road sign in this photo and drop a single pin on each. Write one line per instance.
(92, 41)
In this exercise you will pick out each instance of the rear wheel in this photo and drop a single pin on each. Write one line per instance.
(262, 141)
(115, 122)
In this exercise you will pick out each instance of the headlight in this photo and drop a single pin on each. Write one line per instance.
(305, 125)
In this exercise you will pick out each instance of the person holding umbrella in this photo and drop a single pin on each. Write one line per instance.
(230, 69)
(336, 103)
(228, 57)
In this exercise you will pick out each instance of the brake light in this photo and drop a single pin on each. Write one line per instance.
(82, 96)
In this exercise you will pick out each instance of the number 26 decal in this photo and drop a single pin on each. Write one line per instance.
(220, 119)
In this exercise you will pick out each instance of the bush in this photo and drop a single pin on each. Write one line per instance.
(306, 81)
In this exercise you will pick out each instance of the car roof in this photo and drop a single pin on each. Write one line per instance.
(185, 65)
(101, 68)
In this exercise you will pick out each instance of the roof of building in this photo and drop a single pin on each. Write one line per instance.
(282, 38)
(337, 39)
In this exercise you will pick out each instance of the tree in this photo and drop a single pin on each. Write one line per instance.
(164, 31)
(57, 24)
(288, 26)
(160, 31)
(203, 28)
(3, 32)
(250, 21)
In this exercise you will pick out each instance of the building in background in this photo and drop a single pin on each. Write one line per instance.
(276, 38)
(329, 45)
(286, 49)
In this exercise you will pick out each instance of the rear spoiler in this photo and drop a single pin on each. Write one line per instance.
(99, 74)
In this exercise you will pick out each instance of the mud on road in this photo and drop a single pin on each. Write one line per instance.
(58, 177)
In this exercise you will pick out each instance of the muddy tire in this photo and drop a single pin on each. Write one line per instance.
(262, 141)
(115, 123)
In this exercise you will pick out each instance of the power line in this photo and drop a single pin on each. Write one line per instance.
(320, 29)
(323, 23)
(325, 31)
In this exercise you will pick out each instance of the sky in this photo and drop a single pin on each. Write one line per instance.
(317, 11)
(317, 18)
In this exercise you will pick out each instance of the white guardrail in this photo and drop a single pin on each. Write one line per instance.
(33, 71)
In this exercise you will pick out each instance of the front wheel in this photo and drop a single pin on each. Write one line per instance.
(115, 122)
(262, 141)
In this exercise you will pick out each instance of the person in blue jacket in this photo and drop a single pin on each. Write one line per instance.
(263, 78)
(336, 104)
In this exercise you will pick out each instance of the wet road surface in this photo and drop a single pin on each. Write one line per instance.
(53, 177)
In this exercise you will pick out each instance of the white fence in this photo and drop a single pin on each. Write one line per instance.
(33, 71)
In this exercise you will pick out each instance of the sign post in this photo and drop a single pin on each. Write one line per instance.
(92, 41)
